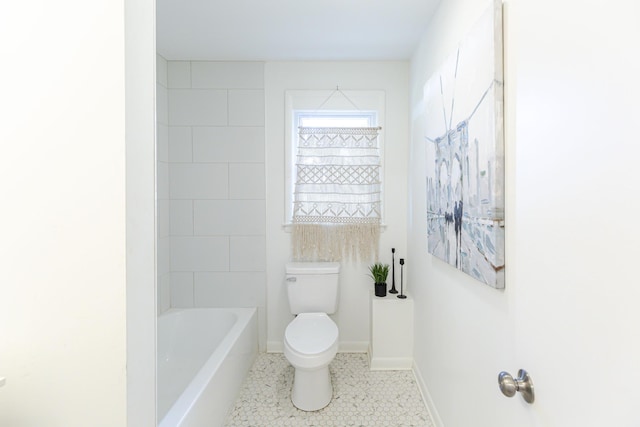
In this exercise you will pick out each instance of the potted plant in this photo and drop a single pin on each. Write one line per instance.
(379, 273)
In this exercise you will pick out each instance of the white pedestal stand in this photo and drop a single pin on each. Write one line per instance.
(391, 338)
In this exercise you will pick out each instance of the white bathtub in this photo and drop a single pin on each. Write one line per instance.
(204, 355)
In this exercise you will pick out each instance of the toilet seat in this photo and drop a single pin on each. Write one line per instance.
(311, 340)
(311, 333)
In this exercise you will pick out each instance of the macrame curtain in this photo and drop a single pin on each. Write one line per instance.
(336, 207)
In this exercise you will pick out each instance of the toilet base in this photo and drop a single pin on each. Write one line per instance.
(312, 389)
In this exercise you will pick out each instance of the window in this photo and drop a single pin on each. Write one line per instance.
(334, 184)
(336, 119)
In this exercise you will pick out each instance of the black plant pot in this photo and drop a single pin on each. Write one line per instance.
(381, 289)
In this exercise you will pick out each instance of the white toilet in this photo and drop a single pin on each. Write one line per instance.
(311, 339)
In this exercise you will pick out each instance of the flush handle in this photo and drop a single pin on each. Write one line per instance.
(291, 279)
(523, 384)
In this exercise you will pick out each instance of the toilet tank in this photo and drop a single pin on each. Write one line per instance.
(312, 287)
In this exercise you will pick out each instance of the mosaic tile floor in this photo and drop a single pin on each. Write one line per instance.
(360, 397)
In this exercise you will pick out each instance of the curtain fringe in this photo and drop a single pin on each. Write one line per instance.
(335, 242)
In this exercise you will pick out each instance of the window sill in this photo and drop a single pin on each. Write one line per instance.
(287, 227)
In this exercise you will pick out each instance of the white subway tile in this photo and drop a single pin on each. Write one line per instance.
(180, 147)
(197, 107)
(198, 181)
(227, 75)
(247, 253)
(163, 142)
(229, 217)
(162, 104)
(161, 70)
(228, 144)
(246, 181)
(230, 289)
(199, 254)
(163, 218)
(178, 74)
(246, 108)
(181, 217)
(162, 177)
(181, 289)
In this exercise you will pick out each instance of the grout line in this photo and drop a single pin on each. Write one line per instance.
(191, 134)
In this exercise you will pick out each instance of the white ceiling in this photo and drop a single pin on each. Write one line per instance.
(291, 29)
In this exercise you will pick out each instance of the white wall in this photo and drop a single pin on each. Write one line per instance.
(141, 229)
(569, 303)
(464, 329)
(216, 184)
(62, 182)
(391, 77)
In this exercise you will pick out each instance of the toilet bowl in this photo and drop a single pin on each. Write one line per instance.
(310, 344)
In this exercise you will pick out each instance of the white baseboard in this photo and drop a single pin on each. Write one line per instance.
(275, 347)
(426, 397)
(353, 346)
(390, 363)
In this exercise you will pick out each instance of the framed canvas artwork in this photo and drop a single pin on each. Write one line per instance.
(465, 154)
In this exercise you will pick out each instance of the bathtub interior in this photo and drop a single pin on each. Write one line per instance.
(202, 352)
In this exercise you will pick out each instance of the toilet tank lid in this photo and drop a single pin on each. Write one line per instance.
(312, 267)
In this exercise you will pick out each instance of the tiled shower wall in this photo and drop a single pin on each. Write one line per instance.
(216, 184)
